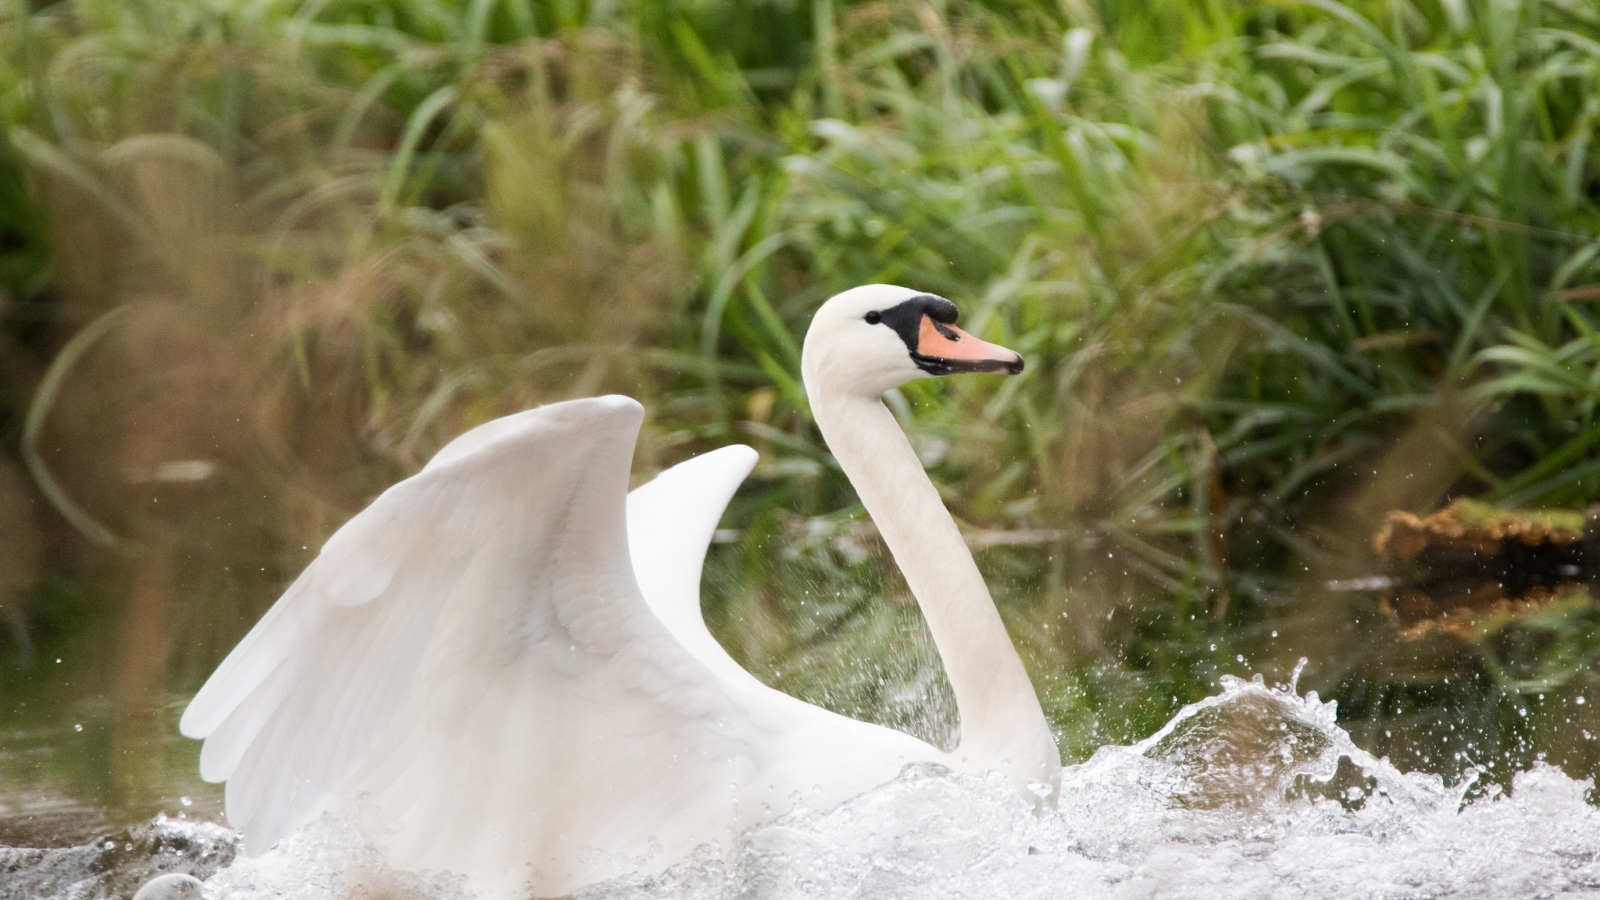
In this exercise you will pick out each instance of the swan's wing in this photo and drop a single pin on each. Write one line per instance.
(671, 521)
(511, 539)
(470, 660)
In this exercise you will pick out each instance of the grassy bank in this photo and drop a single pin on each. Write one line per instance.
(1276, 267)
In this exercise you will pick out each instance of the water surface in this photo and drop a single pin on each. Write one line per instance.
(1254, 792)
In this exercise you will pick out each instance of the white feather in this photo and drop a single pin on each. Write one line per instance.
(505, 701)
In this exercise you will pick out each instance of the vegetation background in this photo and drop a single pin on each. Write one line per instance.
(1277, 268)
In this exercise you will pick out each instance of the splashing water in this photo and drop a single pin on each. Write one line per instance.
(115, 865)
(1255, 792)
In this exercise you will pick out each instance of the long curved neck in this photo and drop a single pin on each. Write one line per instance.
(1002, 725)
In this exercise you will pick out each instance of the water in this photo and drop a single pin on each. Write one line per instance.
(71, 770)
(1254, 792)
(114, 866)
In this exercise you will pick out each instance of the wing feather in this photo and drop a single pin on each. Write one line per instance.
(471, 660)
(296, 706)
(671, 521)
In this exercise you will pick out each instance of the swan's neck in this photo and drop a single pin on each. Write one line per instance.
(1002, 725)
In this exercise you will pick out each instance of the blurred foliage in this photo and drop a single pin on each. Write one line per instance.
(1277, 268)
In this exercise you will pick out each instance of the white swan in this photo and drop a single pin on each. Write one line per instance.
(502, 660)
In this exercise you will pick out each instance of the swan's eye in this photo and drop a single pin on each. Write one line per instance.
(874, 317)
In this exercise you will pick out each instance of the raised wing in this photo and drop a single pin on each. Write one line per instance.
(671, 521)
(470, 662)
(499, 570)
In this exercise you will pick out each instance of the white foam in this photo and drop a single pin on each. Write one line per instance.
(1252, 793)
(329, 859)
(162, 851)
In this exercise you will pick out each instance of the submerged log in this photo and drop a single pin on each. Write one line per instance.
(1470, 568)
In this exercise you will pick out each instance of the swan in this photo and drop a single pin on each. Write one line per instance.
(502, 663)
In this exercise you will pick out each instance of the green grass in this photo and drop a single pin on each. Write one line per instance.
(1276, 268)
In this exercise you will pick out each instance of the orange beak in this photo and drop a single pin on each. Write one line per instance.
(945, 350)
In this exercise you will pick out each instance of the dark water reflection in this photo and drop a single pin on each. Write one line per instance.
(101, 659)
(71, 769)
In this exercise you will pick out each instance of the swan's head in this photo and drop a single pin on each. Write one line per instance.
(877, 337)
